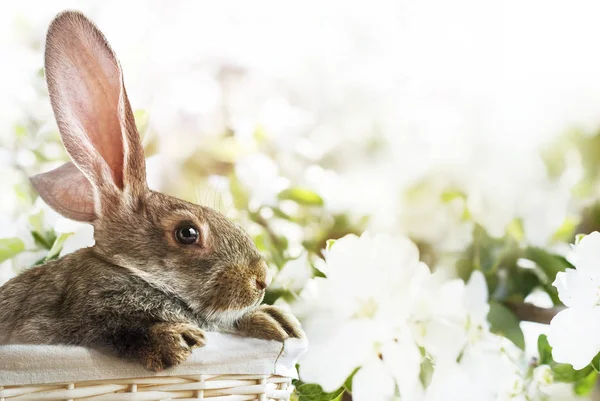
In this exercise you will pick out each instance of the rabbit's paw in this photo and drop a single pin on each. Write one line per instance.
(269, 323)
(172, 343)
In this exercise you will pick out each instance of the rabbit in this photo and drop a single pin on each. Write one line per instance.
(162, 270)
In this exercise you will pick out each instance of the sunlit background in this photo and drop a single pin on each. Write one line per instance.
(447, 122)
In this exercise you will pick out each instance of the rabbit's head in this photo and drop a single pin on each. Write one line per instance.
(191, 250)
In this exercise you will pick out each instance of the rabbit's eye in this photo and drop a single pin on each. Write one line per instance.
(187, 235)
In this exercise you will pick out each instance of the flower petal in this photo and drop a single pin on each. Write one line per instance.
(576, 288)
(403, 359)
(574, 336)
(334, 352)
(587, 255)
(373, 382)
(476, 297)
(443, 339)
(451, 382)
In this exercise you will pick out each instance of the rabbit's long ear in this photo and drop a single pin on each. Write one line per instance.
(66, 190)
(94, 118)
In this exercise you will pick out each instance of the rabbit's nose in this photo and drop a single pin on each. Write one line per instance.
(261, 284)
(264, 283)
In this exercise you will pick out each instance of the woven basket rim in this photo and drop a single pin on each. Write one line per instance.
(223, 355)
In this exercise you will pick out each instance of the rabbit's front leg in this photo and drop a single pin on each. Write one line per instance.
(158, 346)
(269, 323)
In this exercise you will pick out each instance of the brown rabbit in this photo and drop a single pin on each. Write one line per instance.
(162, 270)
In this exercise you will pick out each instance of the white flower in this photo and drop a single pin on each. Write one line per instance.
(378, 305)
(360, 317)
(450, 382)
(451, 315)
(587, 256)
(373, 381)
(542, 376)
(571, 330)
(294, 274)
(572, 336)
(488, 370)
(575, 288)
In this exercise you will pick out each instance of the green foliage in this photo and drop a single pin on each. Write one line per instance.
(427, 369)
(521, 283)
(562, 372)
(544, 350)
(301, 196)
(240, 196)
(566, 232)
(578, 238)
(498, 259)
(44, 240)
(273, 295)
(549, 265)
(314, 392)
(57, 246)
(585, 386)
(505, 323)
(10, 247)
(596, 363)
(450, 195)
(488, 254)
(590, 219)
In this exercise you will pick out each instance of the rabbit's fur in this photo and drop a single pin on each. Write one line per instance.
(137, 291)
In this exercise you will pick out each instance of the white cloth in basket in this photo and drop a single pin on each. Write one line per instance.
(222, 354)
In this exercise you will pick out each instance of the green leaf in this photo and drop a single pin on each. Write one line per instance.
(427, 369)
(10, 247)
(464, 268)
(302, 196)
(318, 273)
(516, 230)
(348, 383)
(314, 392)
(505, 323)
(57, 246)
(450, 195)
(566, 231)
(36, 221)
(579, 237)
(273, 295)
(44, 240)
(281, 214)
(545, 350)
(596, 363)
(488, 254)
(239, 194)
(521, 282)
(550, 264)
(563, 372)
(585, 386)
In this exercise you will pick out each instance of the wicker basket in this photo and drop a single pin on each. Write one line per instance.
(229, 368)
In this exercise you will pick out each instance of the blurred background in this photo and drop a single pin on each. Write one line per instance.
(450, 122)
